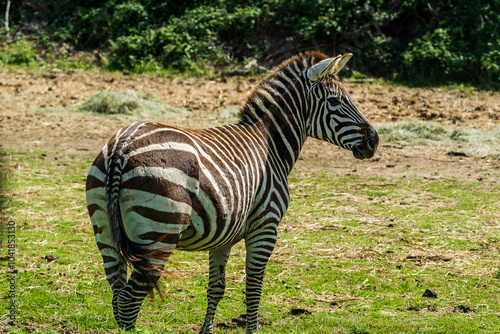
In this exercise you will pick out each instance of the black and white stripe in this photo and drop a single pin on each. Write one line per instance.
(155, 188)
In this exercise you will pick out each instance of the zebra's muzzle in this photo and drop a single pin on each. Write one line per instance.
(368, 147)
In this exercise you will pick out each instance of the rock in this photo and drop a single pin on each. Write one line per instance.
(429, 294)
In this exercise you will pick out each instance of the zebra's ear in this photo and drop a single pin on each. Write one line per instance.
(318, 71)
(327, 66)
(340, 62)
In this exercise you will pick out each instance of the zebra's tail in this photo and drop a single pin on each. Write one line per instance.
(137, 256)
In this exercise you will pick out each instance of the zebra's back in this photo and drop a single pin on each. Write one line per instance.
(199, 184)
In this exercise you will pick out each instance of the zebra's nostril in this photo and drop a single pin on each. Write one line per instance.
(371, 144)
(372, 141)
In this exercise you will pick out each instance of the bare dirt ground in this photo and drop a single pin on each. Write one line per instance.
(25, 125)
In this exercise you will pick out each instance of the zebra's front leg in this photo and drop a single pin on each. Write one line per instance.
(216, 285)
(259, 247)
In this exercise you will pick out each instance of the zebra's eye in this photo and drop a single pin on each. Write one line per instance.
(333, 101)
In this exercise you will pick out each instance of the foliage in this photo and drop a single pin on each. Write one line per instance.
(40, 55)
(21, 52)
(460, 43)
(413, 41)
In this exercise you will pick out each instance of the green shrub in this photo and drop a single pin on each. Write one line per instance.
(415, 41)
(90, 24)
(459, 43)
(21, 52)
(430, 56)
(182, 43)
(490, 62)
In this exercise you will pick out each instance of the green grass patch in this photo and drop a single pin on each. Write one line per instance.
(354, 254)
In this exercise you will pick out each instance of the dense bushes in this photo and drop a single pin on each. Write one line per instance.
(419, 41)
(461, 43)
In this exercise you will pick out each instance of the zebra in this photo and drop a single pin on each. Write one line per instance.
(155, 188)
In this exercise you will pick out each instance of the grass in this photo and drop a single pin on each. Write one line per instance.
(354, 255)
(475, 141)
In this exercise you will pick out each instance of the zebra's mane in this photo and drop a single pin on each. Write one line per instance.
(302, 62)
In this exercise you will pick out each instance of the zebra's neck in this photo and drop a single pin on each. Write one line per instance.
(277, 110)
(278, 107)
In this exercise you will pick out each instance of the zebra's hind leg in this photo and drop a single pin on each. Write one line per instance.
(115, 268)
(216, 285)
(116, 274)
(129, 299)
(115, 265)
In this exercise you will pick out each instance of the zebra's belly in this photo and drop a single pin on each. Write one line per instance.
(201, 235)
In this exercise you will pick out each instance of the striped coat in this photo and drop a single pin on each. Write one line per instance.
(155, 188)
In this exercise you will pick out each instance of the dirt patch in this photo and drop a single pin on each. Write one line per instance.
(34, 327)
(463, 309)
(300, 311)
(23, 124)
(432, 308)
(433, 258)
(28, 90)
(241, 321)
(414, 308)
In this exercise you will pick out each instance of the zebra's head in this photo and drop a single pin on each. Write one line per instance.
(333, 115)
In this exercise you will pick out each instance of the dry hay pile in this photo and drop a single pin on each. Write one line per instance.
(130, 103)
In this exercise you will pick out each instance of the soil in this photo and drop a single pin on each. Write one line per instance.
(26, 124)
